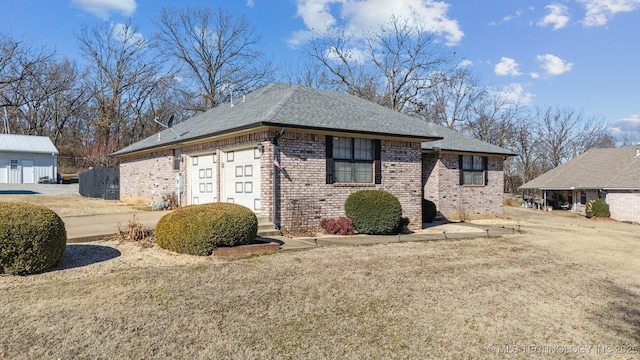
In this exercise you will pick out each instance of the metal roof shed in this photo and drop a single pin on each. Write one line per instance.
(24, 159)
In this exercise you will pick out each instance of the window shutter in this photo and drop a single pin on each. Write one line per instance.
(485, 167)
(329, 159)
(461, 170)
(377, 162)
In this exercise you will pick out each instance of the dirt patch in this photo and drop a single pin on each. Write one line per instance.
(550, 290)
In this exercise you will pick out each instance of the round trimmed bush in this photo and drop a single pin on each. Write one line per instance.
(374, 212)
(597, 208)
(199, 229)
(429, 211)
(32, 238)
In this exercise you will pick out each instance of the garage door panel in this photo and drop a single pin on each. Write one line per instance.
(242, 178)
(202, 179)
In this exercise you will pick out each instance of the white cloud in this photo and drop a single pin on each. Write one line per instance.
(599, 12)
(353, 54)
(535, 75)
(517, 14)
(630, 124)
(553, 65)
(464, 63)
(515, 94)
(557, 16)
(250, 3)
(103, 8)
(507, 67)
(359, 16)
(123, 33)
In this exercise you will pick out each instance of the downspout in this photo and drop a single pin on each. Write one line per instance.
(276, 179)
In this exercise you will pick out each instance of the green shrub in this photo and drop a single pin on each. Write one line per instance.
(597, 208)
(374, 212)
(199, 229)
(32, 238)
(429, 211)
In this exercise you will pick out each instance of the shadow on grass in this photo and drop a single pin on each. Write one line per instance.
(79, 255)
(18, 192)
(622, 314)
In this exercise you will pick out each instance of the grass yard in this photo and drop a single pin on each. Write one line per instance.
(521, 296)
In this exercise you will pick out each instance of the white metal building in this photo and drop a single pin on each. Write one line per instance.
(24, 159)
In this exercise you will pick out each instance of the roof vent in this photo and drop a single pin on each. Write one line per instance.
(637, 149)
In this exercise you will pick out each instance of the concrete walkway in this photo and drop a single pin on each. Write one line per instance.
(97, 227)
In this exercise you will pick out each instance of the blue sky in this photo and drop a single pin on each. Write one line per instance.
(580, 54)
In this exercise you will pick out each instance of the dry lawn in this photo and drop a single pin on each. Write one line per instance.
(76, 205)
(475, 298)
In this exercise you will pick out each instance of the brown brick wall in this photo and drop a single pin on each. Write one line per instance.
(306, 198)
(441, 184)
(150, 176)
(624, 205)
(147, 177)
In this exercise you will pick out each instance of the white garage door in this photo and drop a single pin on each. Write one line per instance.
(202, 179)
(241, 178)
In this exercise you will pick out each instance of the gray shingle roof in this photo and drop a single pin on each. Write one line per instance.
(594, 169)
(294, 106)
(27, 144)
(455, 141)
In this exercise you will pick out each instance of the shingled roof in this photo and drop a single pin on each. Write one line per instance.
(606, 169)
(294, 106)
(458, 142)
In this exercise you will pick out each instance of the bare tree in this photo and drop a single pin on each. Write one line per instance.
(123, 70)
(451, 99)
(49, 97)
(217, 52)
(408, 59)
(526, 143)
(492, 118)
(565, 134)
(391, 66)
(17, 63)
(627, 138)
(340, 66)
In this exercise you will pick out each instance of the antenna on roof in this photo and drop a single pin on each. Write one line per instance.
(168, 126)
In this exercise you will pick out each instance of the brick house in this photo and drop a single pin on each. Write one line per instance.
(609, 174)
(309, 150)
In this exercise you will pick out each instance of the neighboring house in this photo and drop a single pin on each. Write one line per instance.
(610, 174)
(309, 150)
(24, 159)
